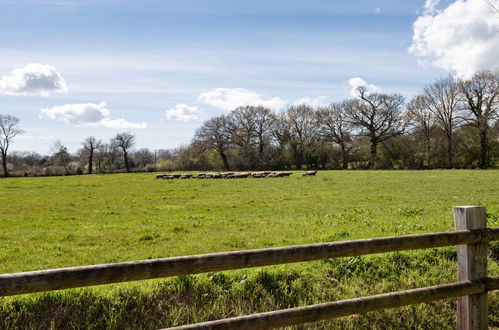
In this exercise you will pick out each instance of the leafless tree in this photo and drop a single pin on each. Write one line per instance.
(124, 141)
(61, 154)
(100, 155)
(263, 118)
(421, 120)
(215, 133)
(144, 157)
(250, 129)
(377, 116)
(442, 99)
(279, 138)
(91, 144)
(480, 97)
(334, 127)
(9, 129)
(303, 131)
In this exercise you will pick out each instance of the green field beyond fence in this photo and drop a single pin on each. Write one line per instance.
(71, 221)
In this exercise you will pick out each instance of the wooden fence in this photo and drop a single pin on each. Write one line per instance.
(471, 237)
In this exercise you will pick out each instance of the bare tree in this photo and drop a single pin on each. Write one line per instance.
(303, 130)
(250, 128)
(279, 137)
(144, 157)
(100, 155)
(421, 120)
(480, 97)
(91, 144)
(124, 141)
(215, 134)
(9, 128)
(378, 117)
(61, 154)
(335, 128)
(442, 99)
(242, 128)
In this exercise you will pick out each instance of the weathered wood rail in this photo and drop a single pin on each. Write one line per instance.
(471, 237)
(319, 312)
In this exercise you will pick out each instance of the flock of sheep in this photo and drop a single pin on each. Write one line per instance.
(230, 175)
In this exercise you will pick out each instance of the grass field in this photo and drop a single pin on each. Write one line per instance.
(67, 221)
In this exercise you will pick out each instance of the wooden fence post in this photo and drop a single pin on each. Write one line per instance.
(472, 265)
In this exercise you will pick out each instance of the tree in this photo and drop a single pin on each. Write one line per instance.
(335, 128)
(61, 154)
(421, 119)
(442, 99)
(9, 128)
(377, 116)
(91, 144)
(124, 141)
(280, 136)
(215, 134)
(303, 129)
(480, 97)
(144, 157)
(250, 129)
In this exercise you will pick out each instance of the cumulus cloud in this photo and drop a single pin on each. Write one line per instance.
(462, 37)
(377, 10)
(88, 114)
(430, 7)
(121, 123)
(33, 79)
(231, 98)
(182, 112)
(358, 82)
(319, 101)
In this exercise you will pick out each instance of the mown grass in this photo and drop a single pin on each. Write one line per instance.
(68, 221)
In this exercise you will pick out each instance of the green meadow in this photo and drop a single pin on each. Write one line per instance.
(54, 222)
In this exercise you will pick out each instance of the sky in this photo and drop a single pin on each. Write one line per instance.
(72, 69)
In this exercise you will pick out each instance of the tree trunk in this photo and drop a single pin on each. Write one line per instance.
(90, 162)
(374, 149)
(260, 154)
(4, 164)
(224, 159)
(484, 149)
(428, 150)
(450, 151)
(298, 157)
(64, 164)
(344, 157)
(125, 158)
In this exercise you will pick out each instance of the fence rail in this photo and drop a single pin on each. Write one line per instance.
(319, 312)
(471, 238)
(74, 277)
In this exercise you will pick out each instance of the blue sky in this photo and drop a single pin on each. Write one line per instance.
(143, 58)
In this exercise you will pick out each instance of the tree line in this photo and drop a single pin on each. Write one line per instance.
(451, 123)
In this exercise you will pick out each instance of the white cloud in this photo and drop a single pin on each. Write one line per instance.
(182, 112)
(231, 98)
(34, 78)
(463, 38)
(358, 82)
(377, 10)
(430, 7)
(319, 101)
(121, 123)
(36, 137)
(88, 114)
